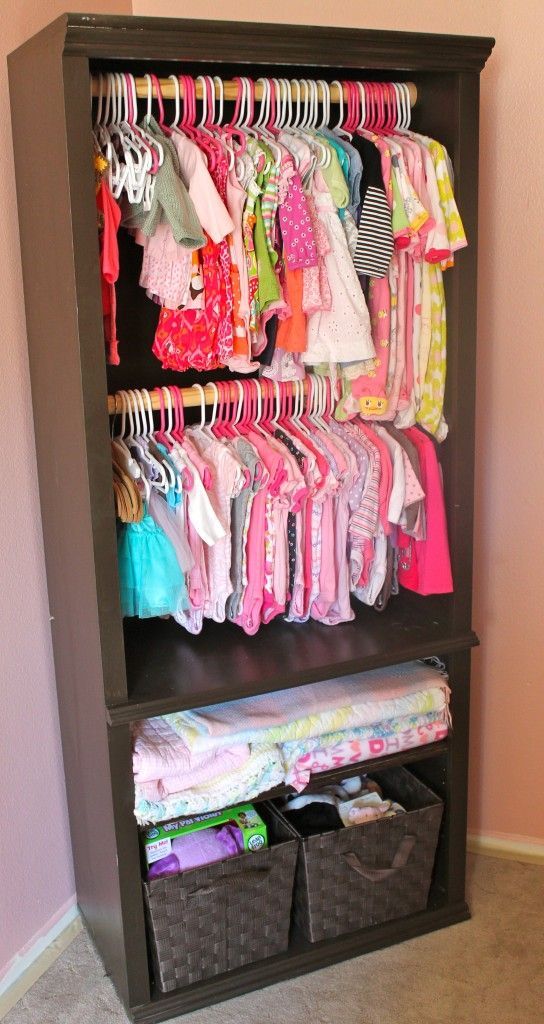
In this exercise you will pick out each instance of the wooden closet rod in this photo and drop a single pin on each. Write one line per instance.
(191, 396)
(168, 90)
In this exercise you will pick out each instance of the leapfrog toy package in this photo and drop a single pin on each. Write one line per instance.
(157, 841)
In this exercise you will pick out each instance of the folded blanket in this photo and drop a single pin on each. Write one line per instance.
(163, 763)
(248, 717)
(303, 759)
(356, 715)
(261, 772)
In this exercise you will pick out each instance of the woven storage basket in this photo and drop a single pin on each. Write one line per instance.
(212, 919)
(359, 876)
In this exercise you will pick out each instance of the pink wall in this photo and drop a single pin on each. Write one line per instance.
(35, 853)
(509, 578)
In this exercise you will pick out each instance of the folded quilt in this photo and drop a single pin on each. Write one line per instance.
(163, 763)
(262, 771)
(302, 759)
(247, 718)
(367, 712)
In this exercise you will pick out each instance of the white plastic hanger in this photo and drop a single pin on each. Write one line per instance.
(161, 483)
(239, 407)
(127, 177)
(177, 101)
(264, 116)
(132, 441)
(362, 96)
(123, 452)
(338, 128)
(405, 92)
(150, 434)
(200, 389)
(291, 125)
(138, 442)
(325, 102)
(137, 151)
(324, 152)
(154, 143)
(277, 404)
(118, 169)
(286, 105)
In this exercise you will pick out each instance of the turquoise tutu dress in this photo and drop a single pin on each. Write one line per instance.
(151, 580)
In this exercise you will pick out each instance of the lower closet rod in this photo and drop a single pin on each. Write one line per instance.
(192, 396)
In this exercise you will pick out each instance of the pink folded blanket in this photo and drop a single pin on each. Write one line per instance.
(163, 763)
(299, 770)
(268, 710)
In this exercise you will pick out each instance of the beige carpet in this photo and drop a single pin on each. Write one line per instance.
(489, 970)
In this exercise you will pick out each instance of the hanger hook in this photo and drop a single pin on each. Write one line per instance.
(215, 390)
(168, 402)
(200, 389)
(340, 103)
(177, 97)
(240, 402)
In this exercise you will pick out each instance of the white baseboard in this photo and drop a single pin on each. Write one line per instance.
(26, 968)
(507, 848)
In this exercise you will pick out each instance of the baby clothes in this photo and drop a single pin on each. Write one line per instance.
(228, 480)
(109, 218)
(341, 334)
(151, 582)
(353, 802)
(424, 566)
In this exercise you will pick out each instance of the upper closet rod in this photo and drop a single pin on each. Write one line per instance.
(231, 89)
(192, 396)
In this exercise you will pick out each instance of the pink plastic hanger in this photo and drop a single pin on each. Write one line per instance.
(268, 393)
(222, 429)
(354, 108)
(179, 419)
(286, 406)
(391, 98)
(160, 434)
(183, 118)
(224, 424)
(189, 106)
(247, 416)
(158, 92)
(157, 151)
(232, 132)
(226, 410)
(203, 135)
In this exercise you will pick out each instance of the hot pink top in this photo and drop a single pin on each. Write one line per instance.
(425, 565)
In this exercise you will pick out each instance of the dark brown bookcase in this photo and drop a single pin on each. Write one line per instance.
(109, 673)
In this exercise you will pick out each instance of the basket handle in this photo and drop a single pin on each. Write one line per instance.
(236, 883)
(400, 860)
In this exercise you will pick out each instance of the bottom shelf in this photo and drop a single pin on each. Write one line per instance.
(300, 958)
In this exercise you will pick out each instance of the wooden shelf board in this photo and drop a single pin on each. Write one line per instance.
(170, 670)
(301, 957)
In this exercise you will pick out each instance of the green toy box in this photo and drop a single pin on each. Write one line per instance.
(157, 841)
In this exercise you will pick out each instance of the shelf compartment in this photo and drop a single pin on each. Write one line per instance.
(170, 670)
(301, 957)
(396, 760)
